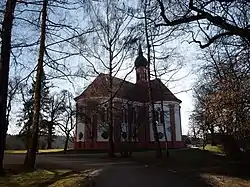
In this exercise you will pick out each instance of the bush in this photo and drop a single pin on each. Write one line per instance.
(231, 146)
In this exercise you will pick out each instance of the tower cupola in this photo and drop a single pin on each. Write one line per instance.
(141, 65)
(140, 61)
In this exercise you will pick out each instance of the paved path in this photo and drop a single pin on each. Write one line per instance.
(141, 176)
(114, 173)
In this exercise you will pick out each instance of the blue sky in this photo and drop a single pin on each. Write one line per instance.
(188, 52)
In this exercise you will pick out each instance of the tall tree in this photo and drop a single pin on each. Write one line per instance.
(31, 153)
(56, 108)
(164, 60)
(107, 46)
(213, 19)
(4, 71)
(26, 113)
(13, 90)
(222, 96)
(67, 122)
(151, 99)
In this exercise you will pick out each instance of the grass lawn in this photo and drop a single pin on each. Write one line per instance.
(214, 149)
(45, 178)
(205, 165)
(40, 151)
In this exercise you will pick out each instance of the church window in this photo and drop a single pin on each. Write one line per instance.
(134, 115)
(145, 75)
(102, 114)
(157, 117)
(167, 117)
(162, 117)
(105, 135)
(160, 135)
(80, 135)
(124, 115)
(138, 76)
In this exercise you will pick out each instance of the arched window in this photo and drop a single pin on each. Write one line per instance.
(162, 117)
(145, 74)
(138, 76)
(157, 117)
(103, 114)
(134, 117)
(124, 115)
(167, 117)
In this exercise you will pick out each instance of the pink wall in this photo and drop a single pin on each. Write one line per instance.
(104, 145)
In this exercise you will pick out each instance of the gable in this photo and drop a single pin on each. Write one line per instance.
(127, 90)
(100, 87)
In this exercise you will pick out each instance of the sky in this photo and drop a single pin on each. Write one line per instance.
(178, 87)
(188, 52)
(182, 88)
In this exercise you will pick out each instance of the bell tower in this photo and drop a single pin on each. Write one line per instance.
(141, 65)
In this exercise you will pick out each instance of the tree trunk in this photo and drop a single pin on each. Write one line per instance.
(151, 101)
(162, 108)
(164, 129)
(4, 72)
(50, 132)
(31, 153)
(111, 141)
(7, 121)
(66, 144)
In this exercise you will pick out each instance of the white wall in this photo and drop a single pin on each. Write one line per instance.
(160, 126)
(167, 122)
(80, 127)
(177, 123)
(124, 128)
(100, 129)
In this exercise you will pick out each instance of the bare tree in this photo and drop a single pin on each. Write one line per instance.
(25, 117)
(222, 96)
(13, 90)
(151, 99)
(107, 47)
(68, 122)
(55, 109)
(213, 20)
(4, 71)
(31, 153)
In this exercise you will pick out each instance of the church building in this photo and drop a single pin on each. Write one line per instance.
(132, 119)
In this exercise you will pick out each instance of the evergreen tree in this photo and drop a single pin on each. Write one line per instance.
(26, 116)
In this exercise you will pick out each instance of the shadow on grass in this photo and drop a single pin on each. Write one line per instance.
(44, 178)
(194, 163)
(182, 168)
(132, 172)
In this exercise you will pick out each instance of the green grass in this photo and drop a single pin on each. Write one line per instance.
(40, 151)
(225, 181)
(71, 151)
(214, 149)
(45, 178)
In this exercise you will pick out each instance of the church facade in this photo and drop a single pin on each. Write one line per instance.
(132, 119)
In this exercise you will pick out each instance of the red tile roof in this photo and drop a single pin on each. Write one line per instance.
(127, 90)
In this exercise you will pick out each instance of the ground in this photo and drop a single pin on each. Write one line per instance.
(190, 167)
